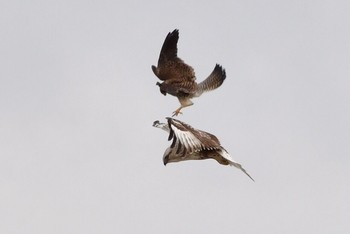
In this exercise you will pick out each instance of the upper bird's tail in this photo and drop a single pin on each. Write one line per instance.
(214, 80)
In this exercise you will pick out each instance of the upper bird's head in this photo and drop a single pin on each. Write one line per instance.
(161, 89)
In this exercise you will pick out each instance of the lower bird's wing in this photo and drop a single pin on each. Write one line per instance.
(186, 139)
(231, 162)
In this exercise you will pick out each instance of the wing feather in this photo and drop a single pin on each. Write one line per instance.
(190, 139)
(170, 66)
(173, 144)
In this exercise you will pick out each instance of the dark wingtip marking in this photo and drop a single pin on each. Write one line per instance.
(174, 142)
(171, 134)
(219, 69)
(174, 32)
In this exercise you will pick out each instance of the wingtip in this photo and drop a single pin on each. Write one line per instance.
(218, 68)
(251, 178)
(240, 167)
(245, 172)
(174, 33)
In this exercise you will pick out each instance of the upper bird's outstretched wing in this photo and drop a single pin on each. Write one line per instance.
(171, 67)
(213, 81)
(187, 140)
(169, 48)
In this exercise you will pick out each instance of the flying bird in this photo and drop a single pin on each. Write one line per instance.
(178, 78)
(189, 143)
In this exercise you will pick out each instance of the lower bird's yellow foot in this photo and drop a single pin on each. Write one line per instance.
(177, 112)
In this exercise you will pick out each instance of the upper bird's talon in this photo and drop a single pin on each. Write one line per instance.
(176, 113)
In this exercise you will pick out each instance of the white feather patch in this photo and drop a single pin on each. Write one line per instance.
(187, 139)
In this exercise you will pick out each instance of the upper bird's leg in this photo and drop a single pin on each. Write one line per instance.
(185, 102)
(177, 111)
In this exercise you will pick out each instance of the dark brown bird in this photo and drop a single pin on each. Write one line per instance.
(179, 78)
(189, 143)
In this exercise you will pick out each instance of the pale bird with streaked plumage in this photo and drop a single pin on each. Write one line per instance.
(179, 78)
(189, 143)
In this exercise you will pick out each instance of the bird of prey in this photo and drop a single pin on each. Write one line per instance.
(179, 78)
(193, 144)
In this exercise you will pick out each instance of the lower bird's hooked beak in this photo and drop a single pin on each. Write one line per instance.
(155, 123)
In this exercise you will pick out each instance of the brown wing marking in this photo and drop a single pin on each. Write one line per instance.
(169, 65)
(192, 139)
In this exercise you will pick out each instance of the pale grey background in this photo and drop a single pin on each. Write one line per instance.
(78, 98)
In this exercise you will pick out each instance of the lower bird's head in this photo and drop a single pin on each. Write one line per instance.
(158, 84)
(156, 123)
(160, 125)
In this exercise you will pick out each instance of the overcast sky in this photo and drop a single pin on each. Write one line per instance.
(78, 153)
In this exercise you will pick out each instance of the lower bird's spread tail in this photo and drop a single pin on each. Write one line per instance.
(214, 80)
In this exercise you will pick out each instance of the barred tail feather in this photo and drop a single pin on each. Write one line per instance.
(214, 80)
